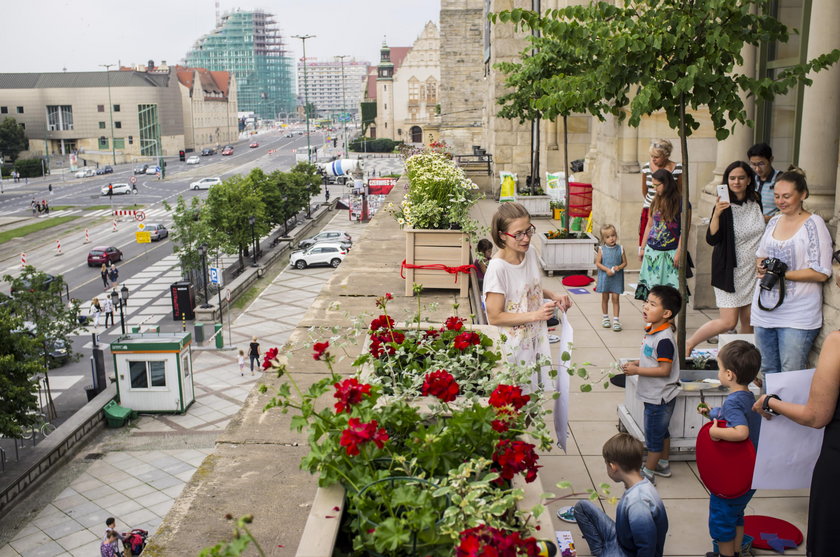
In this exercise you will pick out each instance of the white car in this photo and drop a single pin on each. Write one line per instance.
(119, 189)
(195, 159)
(205, 183)
(319, 254)
(85, 173)
(152, 170)
(335, 236)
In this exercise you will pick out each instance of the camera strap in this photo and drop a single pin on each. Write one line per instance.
(781, 296)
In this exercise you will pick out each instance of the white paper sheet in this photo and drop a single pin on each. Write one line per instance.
(561, 403)
(787, 451)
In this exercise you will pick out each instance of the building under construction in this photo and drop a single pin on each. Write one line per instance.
(248, 44)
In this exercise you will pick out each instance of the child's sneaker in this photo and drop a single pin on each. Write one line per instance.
(566, 514)
(663, 470)
(616, 325)
(605, 323)
(649, 476)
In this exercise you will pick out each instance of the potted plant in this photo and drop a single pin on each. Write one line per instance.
(564, 250)
(435, 214)
(537, 203)
(557, 208)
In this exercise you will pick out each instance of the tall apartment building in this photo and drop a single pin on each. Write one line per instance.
(325, 89)
(248, 44)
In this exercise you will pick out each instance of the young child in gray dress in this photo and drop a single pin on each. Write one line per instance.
(610, 261)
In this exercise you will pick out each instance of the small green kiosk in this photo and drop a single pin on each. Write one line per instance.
(154, 371)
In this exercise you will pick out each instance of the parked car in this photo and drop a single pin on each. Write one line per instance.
(319, 254)
(194, 159)
(208, 151)
(152, 170)
(254, 145)
(103, 254)
(58, 353)
(157, 231)
(107, 169)
(45, 285)
(85, 173)
(141, 169)
(206, 183)
(227, 151)
(119, 189)
(327, 236)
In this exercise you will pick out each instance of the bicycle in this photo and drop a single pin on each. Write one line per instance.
(44, 427)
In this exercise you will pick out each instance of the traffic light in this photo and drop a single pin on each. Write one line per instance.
(182, 155)
(335, 142)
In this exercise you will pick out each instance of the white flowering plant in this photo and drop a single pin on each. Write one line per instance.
(439, 195)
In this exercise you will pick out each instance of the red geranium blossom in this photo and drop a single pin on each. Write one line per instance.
(486, 541)
(320, 349)
(504, 418)
(513, 457)
(508, 395)
(431, 334)
(454, 323)
(441, 384)
(377, 341)
(270, 354)
(359, 433)
(465, 340)
(348, 393)
(382, 322)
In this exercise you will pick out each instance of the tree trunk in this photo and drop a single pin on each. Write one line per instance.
(685, 226)
(566, 171)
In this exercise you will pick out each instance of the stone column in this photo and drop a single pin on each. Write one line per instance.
(819, 133)
(629, 148)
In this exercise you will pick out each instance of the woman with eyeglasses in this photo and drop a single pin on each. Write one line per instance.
(513, 293)
(660, 153)
(821, 410)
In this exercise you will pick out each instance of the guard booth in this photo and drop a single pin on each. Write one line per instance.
(154, 371)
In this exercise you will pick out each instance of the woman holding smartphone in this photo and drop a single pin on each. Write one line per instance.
(735, 230)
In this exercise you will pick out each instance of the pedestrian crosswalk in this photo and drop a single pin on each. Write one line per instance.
(153, 214)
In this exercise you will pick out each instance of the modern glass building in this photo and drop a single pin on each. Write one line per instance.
(248, 44)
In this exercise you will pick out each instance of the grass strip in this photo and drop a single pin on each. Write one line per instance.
(44, 224)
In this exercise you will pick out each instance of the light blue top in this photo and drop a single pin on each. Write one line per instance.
(641, 522)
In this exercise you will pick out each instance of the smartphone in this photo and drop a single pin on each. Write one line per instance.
(723, 193)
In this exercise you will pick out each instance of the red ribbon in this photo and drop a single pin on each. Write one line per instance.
(439, 267)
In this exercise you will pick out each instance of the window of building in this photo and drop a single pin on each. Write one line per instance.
(119, 143)
(779, 122)
(116, 108)
(101, 125)
(100, 108)
(147, 374)
(22, 126)
(118, 124)
(431, 90)
(149, 130)
(4, 109)
(59, 117)
(20, 110)
(103, 143)
(131, 140)
(413, 90)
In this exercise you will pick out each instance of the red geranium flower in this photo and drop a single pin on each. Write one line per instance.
(389, 296)
(486, 541)
(454, 323)
(348, 393)
(270, 354)
(320, 349)
(441, 384)
(431, 334)
(513, 457)
(359, 433)
(504, 418)
(382, 322)
(508, 396)
(465, 340)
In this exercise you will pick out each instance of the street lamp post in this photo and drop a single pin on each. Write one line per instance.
(120, 300)
(344, 105)
(306, 94)
(110, 111)
(202, 251)
(252, 220)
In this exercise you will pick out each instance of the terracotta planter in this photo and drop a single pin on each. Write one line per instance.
(537, 205)
(436, 247)
(567, 254)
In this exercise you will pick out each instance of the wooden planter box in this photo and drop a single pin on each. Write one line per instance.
(537, 205)
(685, 422)
(436, 247)
(567, 255)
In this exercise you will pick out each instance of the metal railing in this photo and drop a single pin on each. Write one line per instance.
(475, 163)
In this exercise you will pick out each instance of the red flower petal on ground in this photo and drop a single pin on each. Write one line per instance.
(454, 323)
(320, 349)
(441, 384)
(270, 354)
(349, 392)
(465, 340)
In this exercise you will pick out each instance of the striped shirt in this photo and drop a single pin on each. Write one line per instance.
(651, 191)
(765, 190)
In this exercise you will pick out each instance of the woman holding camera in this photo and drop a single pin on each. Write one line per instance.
(793, 260)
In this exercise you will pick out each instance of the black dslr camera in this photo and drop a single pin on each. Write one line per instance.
(775, 269)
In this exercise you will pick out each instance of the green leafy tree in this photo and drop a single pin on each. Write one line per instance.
(229, 207)
(189, 231)
(306, 177)
(37, 301)
(19, 367)
(665, 55)
(12, 138)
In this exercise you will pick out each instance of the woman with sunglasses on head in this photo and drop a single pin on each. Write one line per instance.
(513, 294)
(821, 410)
(660, 153)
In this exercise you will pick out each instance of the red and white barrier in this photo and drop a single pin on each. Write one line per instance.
(58, 247)
(115, 226)
(87, 236)
(22, 260)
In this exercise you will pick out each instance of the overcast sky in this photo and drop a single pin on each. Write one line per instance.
(79, 35)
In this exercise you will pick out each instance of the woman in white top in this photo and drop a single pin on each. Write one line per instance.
(786, 329)
(660, 153)
(513, 294)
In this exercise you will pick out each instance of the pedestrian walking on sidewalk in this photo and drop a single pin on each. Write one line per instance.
(95, 311)
(254, 352)
(108, 310)
(114, 275)
(103, 272)
(242, 362)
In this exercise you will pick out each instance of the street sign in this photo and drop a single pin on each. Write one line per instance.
(227, 295)
(133, 180)
(143, 237)
(215, 276)
(141, 226)
(139, 216)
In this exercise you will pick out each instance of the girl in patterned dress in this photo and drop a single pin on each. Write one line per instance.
(610, 261)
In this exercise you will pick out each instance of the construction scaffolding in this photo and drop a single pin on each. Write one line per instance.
(248, 44)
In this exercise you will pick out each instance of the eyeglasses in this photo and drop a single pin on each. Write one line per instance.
(520, 235)
(761, 164)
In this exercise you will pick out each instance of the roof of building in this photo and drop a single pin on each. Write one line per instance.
(214, 84)
(60, 80)
(371, 84)
(398, 54)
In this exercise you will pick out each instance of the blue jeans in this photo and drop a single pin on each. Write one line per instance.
(783, 348)
(598, 530)
(657, 419)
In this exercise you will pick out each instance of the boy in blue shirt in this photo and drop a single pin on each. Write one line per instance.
(738, 365)
(659, 377)
(641, 522)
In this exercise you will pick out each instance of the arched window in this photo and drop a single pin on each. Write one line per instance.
(416, 134)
